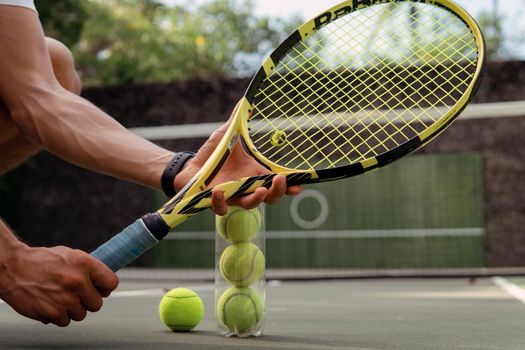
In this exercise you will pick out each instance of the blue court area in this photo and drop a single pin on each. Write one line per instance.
(404, 314)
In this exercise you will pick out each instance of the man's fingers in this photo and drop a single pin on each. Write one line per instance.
(277, 190)
(104, 280)
(76, 311)
(91, 298)
(51, 314)
(219, 205)
(251, 200)
(294, 190)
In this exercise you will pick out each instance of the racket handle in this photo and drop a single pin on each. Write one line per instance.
(126, 246)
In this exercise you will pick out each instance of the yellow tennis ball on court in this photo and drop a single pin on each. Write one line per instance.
(242, 264)
(239, 224)
(181, 309)
(240, 309)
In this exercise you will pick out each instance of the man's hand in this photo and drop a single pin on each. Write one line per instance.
(54, 285)
(238, 165)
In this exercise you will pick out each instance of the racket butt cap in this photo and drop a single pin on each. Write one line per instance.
(156, 225)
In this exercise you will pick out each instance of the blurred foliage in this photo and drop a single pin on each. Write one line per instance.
(492, 27)
(504, 33)
(140, 41)
(62, 20)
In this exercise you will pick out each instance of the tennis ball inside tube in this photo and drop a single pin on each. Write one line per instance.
(242, 264)
(239, 224)
(181, 309)
(240, 309)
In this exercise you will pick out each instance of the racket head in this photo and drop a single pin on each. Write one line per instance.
(361, 85)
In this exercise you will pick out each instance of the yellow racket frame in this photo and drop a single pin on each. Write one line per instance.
(196, 196)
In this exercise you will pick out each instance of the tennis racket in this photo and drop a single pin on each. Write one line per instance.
(355, 88)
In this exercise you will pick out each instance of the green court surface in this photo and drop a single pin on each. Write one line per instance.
(404, 314)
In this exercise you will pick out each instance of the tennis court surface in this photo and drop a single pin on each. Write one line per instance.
(401, 313)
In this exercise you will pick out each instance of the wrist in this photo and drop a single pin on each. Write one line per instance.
(9, 243)
(10, 248)
(173, 168)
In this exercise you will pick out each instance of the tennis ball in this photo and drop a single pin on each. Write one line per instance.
(238, 225)
(242, 264)
(240, 309)
(181, 309)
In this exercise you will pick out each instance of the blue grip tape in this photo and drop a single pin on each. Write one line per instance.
(126, 246)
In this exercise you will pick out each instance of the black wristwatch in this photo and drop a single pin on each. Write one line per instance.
(174, 166)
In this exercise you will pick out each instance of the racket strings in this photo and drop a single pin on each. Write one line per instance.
(363, 85)
(319, 128)
(304, 140)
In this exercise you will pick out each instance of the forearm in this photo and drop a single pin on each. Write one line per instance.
(78, 132)
(63, 123)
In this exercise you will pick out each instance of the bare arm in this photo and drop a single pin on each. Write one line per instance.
(63, 123)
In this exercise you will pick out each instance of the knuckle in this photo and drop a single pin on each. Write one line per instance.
(80, 257)
(55, 316)
(64, 322)
(96, 305)
(69, 302)
(78, 315)
(116, 282)
(73, 282)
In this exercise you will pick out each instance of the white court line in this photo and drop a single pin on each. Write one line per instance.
(139, 293)
(157, 292)
(512, 289)
(145, 292)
